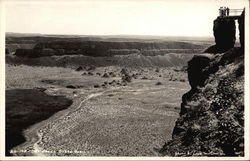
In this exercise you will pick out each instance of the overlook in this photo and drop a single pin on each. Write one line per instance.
(225, 12)
(224, 29)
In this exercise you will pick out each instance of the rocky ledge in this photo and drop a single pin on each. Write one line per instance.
(211, 121)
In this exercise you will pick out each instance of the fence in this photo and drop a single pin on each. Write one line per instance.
(226, 12)
(235, 12)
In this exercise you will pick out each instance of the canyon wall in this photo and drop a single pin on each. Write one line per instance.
(211, 121)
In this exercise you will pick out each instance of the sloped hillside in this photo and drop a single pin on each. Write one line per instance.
(132, 60)
(211, 121)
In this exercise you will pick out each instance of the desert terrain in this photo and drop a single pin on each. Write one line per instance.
(102, 105)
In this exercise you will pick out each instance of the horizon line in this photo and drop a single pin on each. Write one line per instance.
(108, 34)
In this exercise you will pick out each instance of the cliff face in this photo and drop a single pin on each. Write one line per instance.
(224, 34)
(211, 121)
(241, 22)
(103, 48)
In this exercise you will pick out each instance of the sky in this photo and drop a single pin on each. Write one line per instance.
(115, 17)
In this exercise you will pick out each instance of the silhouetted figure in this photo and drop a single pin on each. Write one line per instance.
(223, 11)
(220, 12)
(227, 11)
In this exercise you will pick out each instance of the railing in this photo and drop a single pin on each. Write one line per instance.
(226, 12)
(235, 12)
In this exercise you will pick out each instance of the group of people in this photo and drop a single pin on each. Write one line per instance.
(224, 11)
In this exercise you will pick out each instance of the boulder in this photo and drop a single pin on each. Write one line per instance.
(105, 75)
(195, 67)
(79, 68)
(158, 83)
(71, 86)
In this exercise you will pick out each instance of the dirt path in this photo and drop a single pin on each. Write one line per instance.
(126, 121)
(34, 134)
(38, 150)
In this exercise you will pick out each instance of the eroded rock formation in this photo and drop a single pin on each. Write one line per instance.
(211, 121)
(103, 48)
(224, 33)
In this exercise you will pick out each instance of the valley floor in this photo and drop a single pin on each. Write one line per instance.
(106, 118)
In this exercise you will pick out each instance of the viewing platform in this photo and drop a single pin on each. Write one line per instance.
(232, 14)
(225, 28)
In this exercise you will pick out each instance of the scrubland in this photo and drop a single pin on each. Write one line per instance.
(107, 117)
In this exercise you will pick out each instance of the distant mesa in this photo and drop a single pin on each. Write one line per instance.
(69, 46)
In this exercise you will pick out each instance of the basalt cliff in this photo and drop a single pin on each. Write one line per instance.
(211, 121)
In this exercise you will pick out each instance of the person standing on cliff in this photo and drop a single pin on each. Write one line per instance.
(223, 11)
(227, 11)
(220, 11)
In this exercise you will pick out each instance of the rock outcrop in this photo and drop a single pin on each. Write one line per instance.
(211, 121)
(224, 34)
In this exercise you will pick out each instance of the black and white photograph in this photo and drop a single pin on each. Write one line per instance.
(122, 79)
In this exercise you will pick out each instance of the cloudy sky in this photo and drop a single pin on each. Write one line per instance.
(115, 17)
